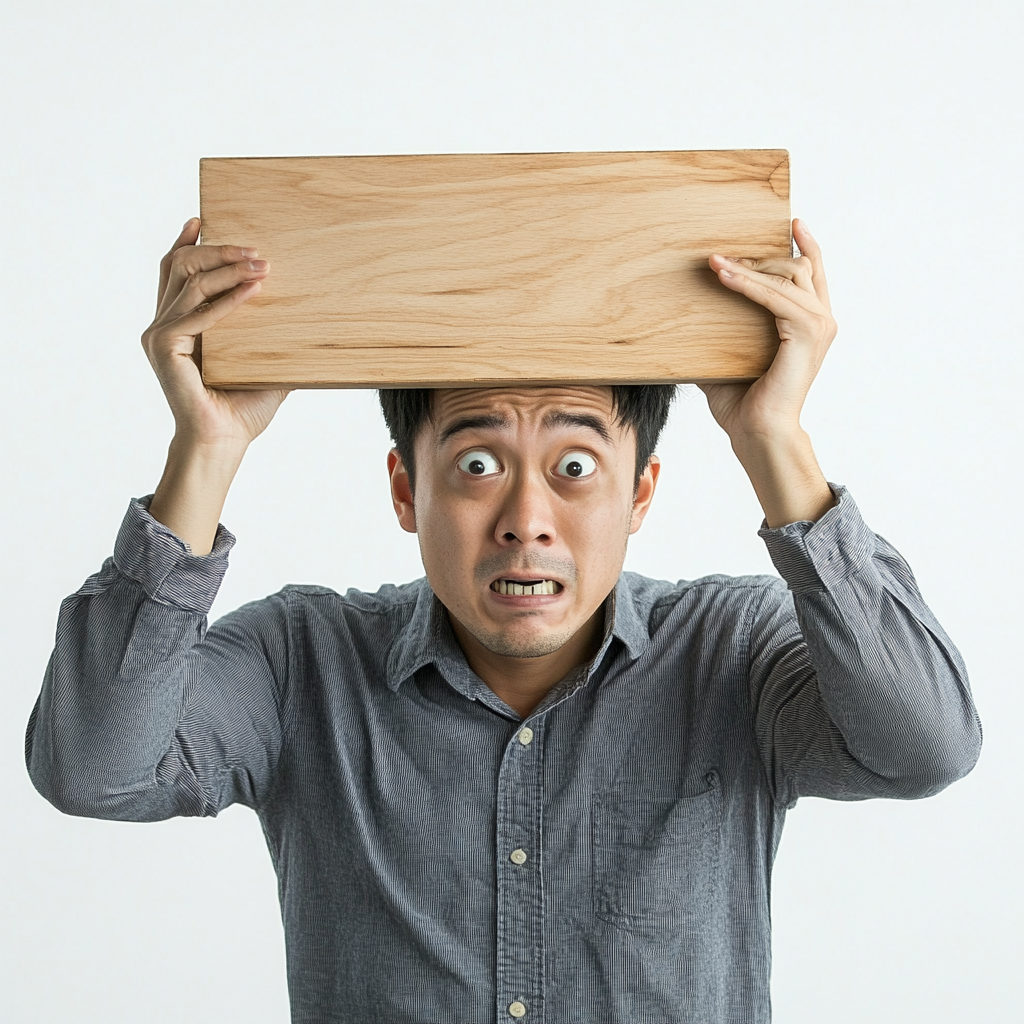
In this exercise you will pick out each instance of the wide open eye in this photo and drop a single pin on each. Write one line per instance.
(576, 465)
(479, 463)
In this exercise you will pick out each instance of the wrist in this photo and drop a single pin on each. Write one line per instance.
(787, 445)
(786, 477)
(223, 452)
(194, 486)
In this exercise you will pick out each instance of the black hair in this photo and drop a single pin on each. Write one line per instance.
(644, 407)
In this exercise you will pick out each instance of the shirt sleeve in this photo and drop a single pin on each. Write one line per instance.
(143, 715)
(856, 689)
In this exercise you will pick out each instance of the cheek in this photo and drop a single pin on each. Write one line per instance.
(449, 535)
(597, 534)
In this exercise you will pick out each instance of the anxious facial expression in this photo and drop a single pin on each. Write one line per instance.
(523, 504)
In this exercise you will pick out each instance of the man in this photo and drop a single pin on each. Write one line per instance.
(530, 786)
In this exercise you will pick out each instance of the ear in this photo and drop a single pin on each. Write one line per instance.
(401, 492)
(645, 493)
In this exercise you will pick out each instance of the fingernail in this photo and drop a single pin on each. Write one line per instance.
(258, 265)
(250, 254)
(725, 259)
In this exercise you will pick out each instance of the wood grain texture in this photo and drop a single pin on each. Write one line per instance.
(473, 270)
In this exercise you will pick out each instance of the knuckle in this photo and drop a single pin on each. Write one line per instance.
(825, 325)
(180, 259)
(151, 339)
(193, 293)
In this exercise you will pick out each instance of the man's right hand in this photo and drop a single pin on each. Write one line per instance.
(199, 285)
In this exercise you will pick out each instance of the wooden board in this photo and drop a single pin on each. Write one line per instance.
(473, 270)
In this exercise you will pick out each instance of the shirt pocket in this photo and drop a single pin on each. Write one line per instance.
(656, 859)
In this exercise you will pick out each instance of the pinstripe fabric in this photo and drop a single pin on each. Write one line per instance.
(437, 863)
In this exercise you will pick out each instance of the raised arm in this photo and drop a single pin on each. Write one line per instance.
(861, 693)
(142, 715)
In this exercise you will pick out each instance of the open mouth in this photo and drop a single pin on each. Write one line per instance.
(526, 588)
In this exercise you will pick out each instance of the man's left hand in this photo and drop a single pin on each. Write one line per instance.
(762, 419)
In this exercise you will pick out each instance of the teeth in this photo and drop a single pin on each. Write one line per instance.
(513, 589)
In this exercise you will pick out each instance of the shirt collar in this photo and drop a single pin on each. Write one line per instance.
(626, 621)
(428, 638)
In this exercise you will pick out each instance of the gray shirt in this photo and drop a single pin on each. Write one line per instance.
(440, 859)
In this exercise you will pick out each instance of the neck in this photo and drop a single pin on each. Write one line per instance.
(522, 683)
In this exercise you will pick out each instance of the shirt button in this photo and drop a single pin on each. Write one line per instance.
(516, 1009)
(526, 736)
(517, 857)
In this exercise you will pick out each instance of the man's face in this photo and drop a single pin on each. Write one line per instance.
(524, 502)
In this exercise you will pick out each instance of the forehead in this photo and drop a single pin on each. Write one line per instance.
(523, 404)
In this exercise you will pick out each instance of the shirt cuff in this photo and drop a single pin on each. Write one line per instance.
(163, 564)
(822, 554)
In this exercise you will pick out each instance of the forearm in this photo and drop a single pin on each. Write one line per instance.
(786, 477)
(892, 682)
(144, 714)
(117, 684)
(191, 494)
(865, 695)
(100, 730)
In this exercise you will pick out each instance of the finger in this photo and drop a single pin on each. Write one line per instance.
(730, 270)
(188, 235)
(201, 287)
(196, 259)
(809, 247)
(203, 316)
(779, 295)
(799, 270)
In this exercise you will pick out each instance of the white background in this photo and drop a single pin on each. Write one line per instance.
(904, 128)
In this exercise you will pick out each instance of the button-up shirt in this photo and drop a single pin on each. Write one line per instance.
(605, 859)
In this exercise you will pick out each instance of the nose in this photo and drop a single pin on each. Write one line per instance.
(526, 514)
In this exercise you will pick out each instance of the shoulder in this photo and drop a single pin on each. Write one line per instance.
(383, 611)
(302, 603)
(386, 600)
(714, 601)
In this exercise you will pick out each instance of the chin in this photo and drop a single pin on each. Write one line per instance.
(518, 645)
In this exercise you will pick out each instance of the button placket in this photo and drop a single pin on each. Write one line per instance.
(520, 924)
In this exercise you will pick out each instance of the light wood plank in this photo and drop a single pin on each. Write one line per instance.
(473, 270)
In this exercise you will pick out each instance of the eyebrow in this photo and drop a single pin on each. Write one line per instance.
(491, 421)
(557, 418)
(561, 418)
